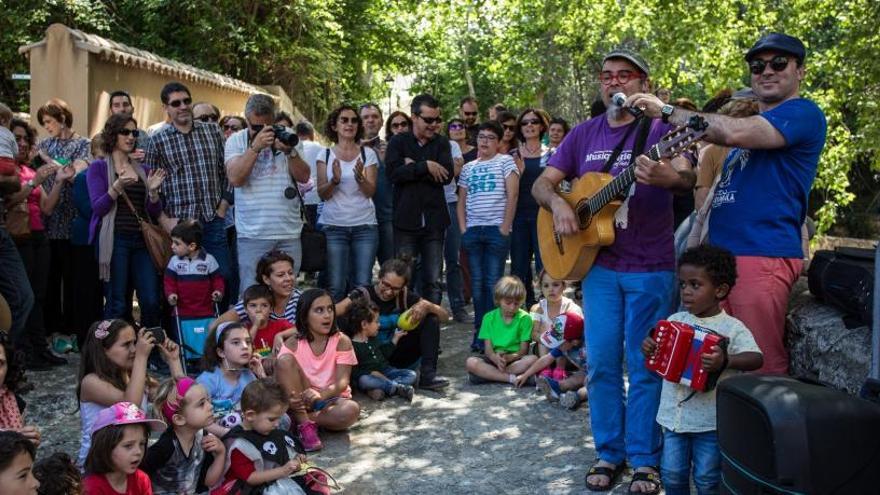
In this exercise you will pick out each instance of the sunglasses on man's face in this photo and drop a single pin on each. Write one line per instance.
(777, 63)
(129, 132)
(430, 120)
(470, 114)
(177, 103)
(209, 118)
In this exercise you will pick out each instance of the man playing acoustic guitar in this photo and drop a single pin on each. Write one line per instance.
(631, 284)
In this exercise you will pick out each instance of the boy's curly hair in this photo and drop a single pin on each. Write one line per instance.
(719, 263)
(361, 310)
(58, 475)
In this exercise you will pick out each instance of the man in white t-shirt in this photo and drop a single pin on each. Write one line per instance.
(305, 131)
(264, 172)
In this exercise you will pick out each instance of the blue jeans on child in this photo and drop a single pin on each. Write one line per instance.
(487, 254)
(351, 252)
(683, 450)
(620, 308)
(394, 375)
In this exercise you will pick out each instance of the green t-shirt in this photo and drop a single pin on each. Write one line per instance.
(506, 337)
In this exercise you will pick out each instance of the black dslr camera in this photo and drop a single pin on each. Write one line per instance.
(285, 136)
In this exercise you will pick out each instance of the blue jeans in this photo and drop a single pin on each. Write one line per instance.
(131, 264)
(427, 246)
(394, 376)
(351, 252)
(524, 245)
(215, 242)
(487, 254)
(681, 451)
(382, 200)
(251, 250)
(620, 308)
(15, 287)
(451, 248)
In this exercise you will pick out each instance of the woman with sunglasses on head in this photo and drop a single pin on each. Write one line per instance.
(531, 160)
(123, 258)
(346, 183)
(398, 122)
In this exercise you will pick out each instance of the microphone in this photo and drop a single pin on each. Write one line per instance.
(619, 99)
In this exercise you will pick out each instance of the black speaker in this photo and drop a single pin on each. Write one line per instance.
(780, 435)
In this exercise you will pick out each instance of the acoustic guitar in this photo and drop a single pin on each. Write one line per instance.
(595, 198)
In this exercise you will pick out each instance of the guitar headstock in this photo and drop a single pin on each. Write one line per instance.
(680, 138)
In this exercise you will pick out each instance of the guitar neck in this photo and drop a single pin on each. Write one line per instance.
(620, 183)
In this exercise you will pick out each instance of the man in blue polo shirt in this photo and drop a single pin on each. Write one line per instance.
(761, 200)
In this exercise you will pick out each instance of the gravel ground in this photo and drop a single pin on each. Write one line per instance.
(469, 439)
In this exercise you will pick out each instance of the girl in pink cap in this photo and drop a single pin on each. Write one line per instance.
(119, 439)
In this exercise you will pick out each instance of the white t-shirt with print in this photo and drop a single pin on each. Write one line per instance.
(261, 209)
(348, 207)
(484, 181)
(450, 189)
(697, 414)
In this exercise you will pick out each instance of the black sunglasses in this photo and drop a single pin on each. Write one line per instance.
(510, 127)
(470, 114)
(430, 120)
(526, 122)
(129, 132)
(231, 127)
(349, 120)
(398, 125)
(777, 63)
(209, 118)
(177, 103)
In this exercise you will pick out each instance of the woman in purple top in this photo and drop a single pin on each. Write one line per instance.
(122, 254)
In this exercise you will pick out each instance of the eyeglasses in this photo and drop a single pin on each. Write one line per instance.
(487, 137)
(470, 114)
(509, 127)
(430, 120)
(349, 120)
(777, 63)
(390, 287)
(456, 127)
(177, 103)
(209, 118)
(129, 132)
(231, 127)
(526, 122)
(398, 125)
(606, 77)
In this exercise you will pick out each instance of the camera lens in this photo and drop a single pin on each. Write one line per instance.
(289, 192)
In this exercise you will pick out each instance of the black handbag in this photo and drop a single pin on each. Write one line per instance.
(313, 242)
(844, 278)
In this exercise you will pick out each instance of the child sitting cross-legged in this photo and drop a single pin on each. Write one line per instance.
(259, 454)
(552, 304)
(267, 335)
(373, 374)
(690, 438)
(192, 279)
(564, 339)
(506, 332)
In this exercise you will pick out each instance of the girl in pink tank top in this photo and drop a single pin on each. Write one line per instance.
(315, 365)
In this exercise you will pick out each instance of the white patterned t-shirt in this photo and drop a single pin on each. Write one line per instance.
(697, 414)
(484, 181)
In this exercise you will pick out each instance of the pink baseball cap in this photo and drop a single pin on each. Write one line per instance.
(124, 413)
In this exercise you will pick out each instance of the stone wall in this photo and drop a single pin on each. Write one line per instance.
(821, 346)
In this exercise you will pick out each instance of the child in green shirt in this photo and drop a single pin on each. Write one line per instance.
(506, 331)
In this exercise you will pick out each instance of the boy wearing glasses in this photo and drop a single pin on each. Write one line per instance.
(764, 184)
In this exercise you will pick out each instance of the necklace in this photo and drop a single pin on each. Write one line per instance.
(532, 152)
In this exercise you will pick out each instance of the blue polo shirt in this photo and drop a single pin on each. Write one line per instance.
(761, 200)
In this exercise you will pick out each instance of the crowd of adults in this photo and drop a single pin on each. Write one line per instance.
(377, 198)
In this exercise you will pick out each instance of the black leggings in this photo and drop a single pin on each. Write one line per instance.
(422, 342)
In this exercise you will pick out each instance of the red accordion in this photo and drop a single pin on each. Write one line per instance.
(679, 349)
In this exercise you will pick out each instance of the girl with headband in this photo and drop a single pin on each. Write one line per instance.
(185, 459)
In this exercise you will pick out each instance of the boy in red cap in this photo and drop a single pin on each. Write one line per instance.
(564, 338)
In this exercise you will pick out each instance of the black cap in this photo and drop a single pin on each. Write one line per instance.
(631, 56)
(778, 42)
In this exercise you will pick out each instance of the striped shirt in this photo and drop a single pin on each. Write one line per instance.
(289, 309)
(483, 180)
(261, 209)
(193, 162)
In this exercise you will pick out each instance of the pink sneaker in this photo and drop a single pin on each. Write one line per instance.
(308, 435)
(559, 374)
(547, 372)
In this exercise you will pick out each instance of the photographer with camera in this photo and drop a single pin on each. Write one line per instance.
(264, 163)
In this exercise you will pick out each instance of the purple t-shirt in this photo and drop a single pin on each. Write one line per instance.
(643, 224)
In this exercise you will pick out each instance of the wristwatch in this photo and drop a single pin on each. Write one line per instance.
(666, 112)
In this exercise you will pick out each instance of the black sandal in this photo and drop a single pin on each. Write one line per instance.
(612, 473)
(650, 477)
